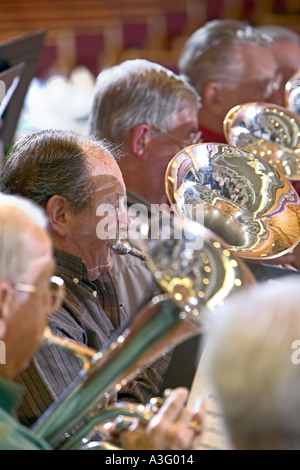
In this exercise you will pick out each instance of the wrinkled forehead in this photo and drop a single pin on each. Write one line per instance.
(105, 172)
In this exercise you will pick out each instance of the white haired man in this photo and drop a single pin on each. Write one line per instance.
(252, 362)
(150, 113)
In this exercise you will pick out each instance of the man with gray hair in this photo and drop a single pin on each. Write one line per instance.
(229, 63)
(252, 362)
(285, 47)
(72, 176)
(150, 113)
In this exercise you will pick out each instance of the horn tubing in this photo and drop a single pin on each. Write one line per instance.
(109, 413)
(123, 247)
(91, 385)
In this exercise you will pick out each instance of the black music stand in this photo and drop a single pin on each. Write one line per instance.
(21, 56)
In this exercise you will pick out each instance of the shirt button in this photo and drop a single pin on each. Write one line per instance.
(94, 293)
(75, 280)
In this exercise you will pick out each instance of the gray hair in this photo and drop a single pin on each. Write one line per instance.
(249, 360)
(50, 162)
(136, 92)
(15, 212)
(211, 52)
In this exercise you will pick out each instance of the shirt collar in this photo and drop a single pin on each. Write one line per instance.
(70, 265)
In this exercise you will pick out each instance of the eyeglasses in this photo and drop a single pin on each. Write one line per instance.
(56, 291)
(194, 140)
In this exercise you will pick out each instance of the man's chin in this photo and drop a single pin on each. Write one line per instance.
(106, 267)
(109, 262)
(94, 273)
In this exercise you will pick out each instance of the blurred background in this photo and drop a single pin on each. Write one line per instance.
(95, 33)
(83, 36)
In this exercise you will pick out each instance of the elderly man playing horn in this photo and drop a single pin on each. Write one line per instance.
(71, 176)
(150, 113)
(229, 63)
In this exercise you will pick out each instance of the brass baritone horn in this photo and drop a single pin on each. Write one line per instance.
(246, 201)
(123, 247)
(268, 131)
(292, 93)
(192, 280)
(154, 330)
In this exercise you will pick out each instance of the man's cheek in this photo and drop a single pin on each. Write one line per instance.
(107, 226)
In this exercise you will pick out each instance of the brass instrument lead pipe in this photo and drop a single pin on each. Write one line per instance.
(123, 247)
(133, 410)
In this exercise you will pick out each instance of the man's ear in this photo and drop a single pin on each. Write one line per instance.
(213, 97)
(57, 210)
(139, 137)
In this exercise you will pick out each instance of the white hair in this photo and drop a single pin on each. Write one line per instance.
(135, 92)
(15, 213)
(213, 51)
(31, 209)
(249, 361)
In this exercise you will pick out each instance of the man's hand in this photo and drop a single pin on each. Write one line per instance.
(173, 427)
